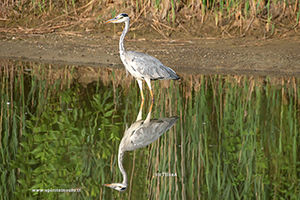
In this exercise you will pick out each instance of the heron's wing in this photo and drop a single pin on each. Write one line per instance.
(149, 66)
(147, 133)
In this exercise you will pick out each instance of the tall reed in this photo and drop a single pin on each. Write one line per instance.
(228, 16)
(236, 136)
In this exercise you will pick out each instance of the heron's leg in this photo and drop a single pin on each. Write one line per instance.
(150, 110)
(148, 81)
(147, 120)
(141, 88)
(139, 117)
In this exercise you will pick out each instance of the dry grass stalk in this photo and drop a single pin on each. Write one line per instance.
(230, 16)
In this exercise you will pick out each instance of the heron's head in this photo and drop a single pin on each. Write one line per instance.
(117, 186)
(118, 19)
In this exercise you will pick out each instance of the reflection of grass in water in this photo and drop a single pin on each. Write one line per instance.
(66, 140)
(237, 136)
(238, 139)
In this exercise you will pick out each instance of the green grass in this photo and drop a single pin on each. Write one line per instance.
(236, 136)
(237, 139)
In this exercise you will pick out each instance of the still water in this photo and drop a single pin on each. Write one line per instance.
(232, 137)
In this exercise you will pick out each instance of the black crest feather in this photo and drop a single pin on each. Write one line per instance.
(124, 14)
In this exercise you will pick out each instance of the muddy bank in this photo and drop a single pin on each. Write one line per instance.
(189, 55)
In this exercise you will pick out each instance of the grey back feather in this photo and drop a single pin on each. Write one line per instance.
(149, 66)
(141, 134)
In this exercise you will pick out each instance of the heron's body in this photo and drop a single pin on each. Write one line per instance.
(140, 65)
(138, 135)
(144, 132)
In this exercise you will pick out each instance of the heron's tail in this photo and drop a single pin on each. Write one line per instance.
(164, 73)
(173, 75)
(176, 78)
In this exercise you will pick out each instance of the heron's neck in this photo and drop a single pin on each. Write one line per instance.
(120, 163)
(121, 44)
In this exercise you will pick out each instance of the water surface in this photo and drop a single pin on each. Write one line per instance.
(236, 136)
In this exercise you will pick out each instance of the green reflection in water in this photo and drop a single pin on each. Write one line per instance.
(236, 136)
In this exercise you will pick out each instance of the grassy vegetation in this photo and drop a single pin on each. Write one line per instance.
(50, 137)
(237, 137)
(212, 18)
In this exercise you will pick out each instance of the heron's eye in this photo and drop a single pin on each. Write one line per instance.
(121, 17)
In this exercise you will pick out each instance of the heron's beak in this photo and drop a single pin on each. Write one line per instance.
(111, 20)
(116, 186)
(110, 185)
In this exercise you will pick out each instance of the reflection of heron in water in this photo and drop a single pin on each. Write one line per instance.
(140, 65)
(138, 135)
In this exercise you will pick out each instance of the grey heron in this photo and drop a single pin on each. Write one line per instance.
(140, 65)
(138, 135)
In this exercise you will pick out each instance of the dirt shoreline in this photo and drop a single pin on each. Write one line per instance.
(247, 56)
